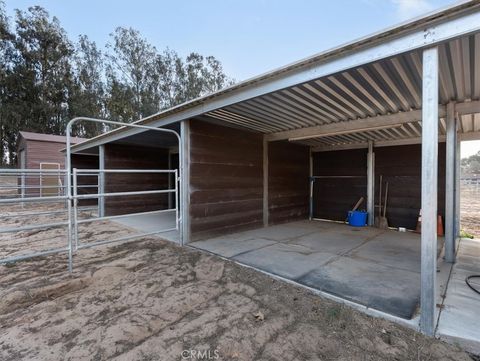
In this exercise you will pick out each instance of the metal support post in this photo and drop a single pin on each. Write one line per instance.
(458, 175)
(429, 190)
(101, 180)
(265, 182)
(177, 223)
(184, 160)
(68, 166)
(75, 209)
(311, 185)
(450, 184)
(169, 156)
(370, 184)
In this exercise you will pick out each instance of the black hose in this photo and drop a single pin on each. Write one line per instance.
(467, 281)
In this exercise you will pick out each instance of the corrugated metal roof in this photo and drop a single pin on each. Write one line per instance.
(384, 87)
(49, 137)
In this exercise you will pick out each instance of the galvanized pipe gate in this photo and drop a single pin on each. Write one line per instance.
(68, 197)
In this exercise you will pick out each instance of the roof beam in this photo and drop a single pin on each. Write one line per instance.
(344, 132)
(365, 124)
(390, 143)
(359, 125)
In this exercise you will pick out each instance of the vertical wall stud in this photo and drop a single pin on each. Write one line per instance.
(429, 190)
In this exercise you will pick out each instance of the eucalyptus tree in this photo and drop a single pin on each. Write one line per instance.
(131, 75)
(6, 38)
(43, 66)
(45, 79)
(87, 94)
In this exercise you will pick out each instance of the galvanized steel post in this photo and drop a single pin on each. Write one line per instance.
(458, 171)
(429, 190)
(69, 168)
(370, 184)
(101, 180)
(450, 184)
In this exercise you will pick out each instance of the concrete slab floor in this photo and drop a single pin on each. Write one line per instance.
(285, 260)
(146, 223)
(369, 283)
(227, 248)
(459, 319)
(379, 269)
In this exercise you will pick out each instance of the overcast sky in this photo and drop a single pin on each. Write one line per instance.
(248, 36)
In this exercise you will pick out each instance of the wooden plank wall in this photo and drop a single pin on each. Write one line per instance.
(288, 190)
(333, 197)
(135, 157)
(81, 161)
(226, 180)
(37, 152)
(401, 167)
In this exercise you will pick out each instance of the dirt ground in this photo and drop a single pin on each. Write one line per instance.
(153, 300)
(470, 210)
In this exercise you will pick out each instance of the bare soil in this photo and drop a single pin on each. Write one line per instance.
(8, 186)
(153, 300)
(470, 210)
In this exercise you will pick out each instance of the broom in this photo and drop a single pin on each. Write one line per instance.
(382, 222)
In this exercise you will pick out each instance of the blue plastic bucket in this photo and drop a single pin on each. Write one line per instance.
(357, 218)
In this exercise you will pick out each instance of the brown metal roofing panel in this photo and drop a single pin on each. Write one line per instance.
(380, 88)
(41, 137)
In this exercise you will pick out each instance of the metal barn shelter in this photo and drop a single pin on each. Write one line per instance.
(262, 159)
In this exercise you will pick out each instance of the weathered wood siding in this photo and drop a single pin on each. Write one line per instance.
(81, 161)
(44, 152)
(135, 157)
(288, 191)
(226, 180)
(399, 165)
(37, 152)
(346, 182)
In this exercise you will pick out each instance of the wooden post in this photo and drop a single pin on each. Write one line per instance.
(101, 180)
(429, 190)
(265, 182)
(184, 164)
(370, 184)
(450, 184)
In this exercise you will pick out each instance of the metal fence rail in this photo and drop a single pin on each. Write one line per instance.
(67, 211)
(22, 196)
(471, 183)
(30, 182)
(68, 195)
(76, 197)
